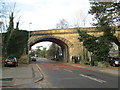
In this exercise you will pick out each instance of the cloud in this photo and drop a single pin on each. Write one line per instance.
(27, 2)
(44, 14)
(44, 44)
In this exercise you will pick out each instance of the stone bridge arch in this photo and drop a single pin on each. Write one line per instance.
(68, 40)
(65, 44)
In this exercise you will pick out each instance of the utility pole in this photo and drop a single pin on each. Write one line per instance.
(1, 50)
(29, 43)
(1, 23)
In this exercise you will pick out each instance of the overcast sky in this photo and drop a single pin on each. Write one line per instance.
(45, 14)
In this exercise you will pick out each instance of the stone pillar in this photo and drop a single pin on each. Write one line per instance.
(71, 53)
(65, 55)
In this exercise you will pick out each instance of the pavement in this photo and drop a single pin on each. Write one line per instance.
(23, 76)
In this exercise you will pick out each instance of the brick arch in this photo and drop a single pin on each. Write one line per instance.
(68, 38)
(63, 43)
(55, 39)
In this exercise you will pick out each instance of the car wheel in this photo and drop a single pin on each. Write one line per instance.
(5, 65)
(113, 65)
(14, 65)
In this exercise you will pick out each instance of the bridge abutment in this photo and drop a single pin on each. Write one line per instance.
(68, 40)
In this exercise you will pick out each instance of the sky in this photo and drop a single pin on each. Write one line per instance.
(45, 14)
(43, 44)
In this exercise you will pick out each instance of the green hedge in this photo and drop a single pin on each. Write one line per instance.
(17, 44)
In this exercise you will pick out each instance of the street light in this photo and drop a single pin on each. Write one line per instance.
(1, 50)
(28, 42)
(1, 27)
(29, 30)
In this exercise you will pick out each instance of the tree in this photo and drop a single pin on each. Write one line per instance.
(18, 43)
(107, 15)
(97, 45)
(41, 52)
(80, 19)
(62, 24)
(6, 8)
(15, 41)
(44, 53)
(9, 32)
(17, 26)
(54, 51)
(4, 14)
(104, 15)
(38, 50)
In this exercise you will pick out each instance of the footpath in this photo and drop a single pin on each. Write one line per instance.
(23, 76)
(108, 70)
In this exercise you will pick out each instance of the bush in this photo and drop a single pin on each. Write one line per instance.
(23, 59)
(16, 45)
(103, 64)
(95, 63)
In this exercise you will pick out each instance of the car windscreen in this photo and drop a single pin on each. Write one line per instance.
(116, 58)
(11, 59)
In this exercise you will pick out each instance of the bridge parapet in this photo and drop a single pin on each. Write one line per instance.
(68, 38)
(69, 30)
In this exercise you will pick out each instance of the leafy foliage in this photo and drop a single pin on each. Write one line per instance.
(99, 46)
(106, 14)
(41, 52)
(17, 43)
(15, 40)
(11, 22)
(54, 51)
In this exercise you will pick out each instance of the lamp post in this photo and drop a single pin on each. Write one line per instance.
(29, 43)
(1, 50)
(1, 27)
(29, 30)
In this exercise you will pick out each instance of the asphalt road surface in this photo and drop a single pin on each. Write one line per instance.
(60, 75)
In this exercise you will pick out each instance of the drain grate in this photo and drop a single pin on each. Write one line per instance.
(6, 79)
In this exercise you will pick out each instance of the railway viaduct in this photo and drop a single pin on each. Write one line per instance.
(67, 39)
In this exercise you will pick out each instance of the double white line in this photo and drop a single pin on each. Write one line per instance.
(95, 79)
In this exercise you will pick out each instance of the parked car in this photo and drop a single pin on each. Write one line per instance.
(114, 61)
(33, 59)
(11, 61)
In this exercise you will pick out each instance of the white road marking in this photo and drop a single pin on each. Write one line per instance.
(95, 79)
(68, 70)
